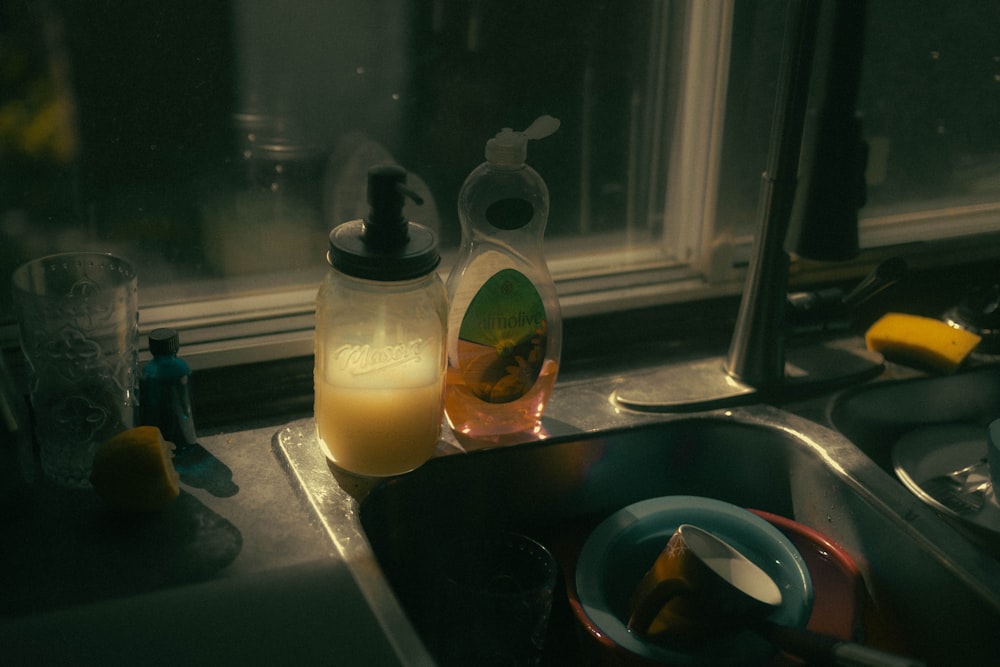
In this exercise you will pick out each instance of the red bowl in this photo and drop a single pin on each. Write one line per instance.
(838, 592)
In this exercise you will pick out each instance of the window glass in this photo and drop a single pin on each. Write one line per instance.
(931, 100)
(215, 144)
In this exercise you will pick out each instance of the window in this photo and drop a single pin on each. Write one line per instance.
(215, 144)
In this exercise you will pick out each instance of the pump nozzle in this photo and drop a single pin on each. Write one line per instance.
(385, 245)
(510, 148)
(385, 226)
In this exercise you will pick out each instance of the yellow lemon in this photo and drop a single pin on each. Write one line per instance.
(134, 470)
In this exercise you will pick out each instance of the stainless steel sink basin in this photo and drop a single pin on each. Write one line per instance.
(875, 416)
(925, 601)
(879, 416)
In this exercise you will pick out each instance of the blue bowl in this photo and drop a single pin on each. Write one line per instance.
(624, 546)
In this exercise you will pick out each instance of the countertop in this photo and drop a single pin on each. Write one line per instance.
(234, 571)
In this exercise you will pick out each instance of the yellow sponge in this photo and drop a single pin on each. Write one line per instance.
(134, 470)
(921, 340)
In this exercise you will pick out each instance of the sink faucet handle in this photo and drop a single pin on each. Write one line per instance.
(979, 312)
(885, 275)
(817, 307)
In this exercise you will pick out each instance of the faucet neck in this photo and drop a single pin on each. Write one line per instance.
(756, 353)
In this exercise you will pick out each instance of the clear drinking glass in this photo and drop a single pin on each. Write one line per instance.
(492, 596)
(79, 326)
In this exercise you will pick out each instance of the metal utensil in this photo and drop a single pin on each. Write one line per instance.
(962, 491)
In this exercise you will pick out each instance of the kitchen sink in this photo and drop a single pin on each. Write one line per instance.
(922, 599)
(942, 418)
(875, 416)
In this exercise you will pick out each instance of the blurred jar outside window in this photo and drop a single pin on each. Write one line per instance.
(215, 144)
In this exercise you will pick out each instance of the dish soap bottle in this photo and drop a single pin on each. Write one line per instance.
(504, 324)
(165, 391)
(381, 314)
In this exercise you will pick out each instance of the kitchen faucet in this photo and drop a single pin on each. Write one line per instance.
(815, 176)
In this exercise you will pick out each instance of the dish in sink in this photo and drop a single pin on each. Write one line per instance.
(931, 451)
(826, 595)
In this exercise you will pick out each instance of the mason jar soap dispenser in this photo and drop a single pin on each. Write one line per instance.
(381, 316)
(504, 324)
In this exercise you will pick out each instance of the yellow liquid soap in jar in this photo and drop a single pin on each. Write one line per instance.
(380, 336)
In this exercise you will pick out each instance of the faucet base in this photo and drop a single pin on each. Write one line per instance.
(690, 387)
(705, 384)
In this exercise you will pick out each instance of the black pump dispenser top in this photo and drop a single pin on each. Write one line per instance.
(384, 246)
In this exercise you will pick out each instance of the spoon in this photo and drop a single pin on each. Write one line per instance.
(717, 588)
(954, 490)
